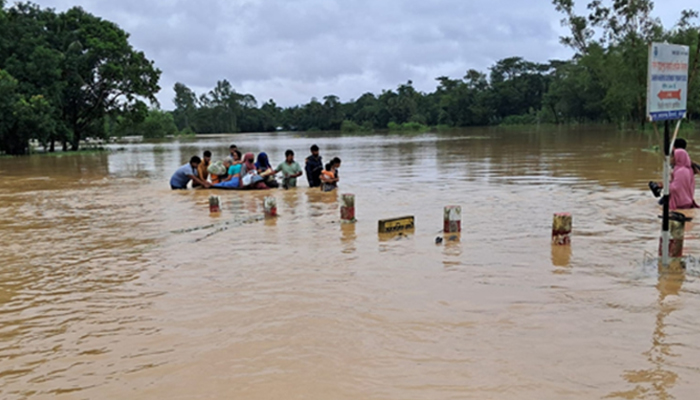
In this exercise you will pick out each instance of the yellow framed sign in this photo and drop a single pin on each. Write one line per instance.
(394, 225)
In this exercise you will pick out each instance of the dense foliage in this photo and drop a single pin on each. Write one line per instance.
(63, 75)
(69, 76)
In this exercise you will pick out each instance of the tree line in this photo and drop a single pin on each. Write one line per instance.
(68, 76)
(605, 81)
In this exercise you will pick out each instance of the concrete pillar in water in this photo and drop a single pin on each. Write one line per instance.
(561, 229)
(270, 205)
(347, 210)
(452, 219)
(675, 245)
(214, 204)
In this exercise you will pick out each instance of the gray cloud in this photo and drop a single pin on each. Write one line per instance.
(292, 50)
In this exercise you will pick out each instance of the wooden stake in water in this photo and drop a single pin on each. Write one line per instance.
(561, 229)
(347, 210)
(214, 204)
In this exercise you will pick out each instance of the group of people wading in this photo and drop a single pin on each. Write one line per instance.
(682, 187)
(241, 171)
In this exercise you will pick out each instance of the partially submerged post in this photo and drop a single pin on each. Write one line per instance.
(677, 237)
(347, 210)
(561, 229)
(214, 204)
(397, 225)
(452, 219)
(667, 97)
(270, 206)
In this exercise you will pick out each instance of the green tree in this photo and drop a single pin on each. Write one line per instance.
(73, 68)
(103, 73)
(22, 118)
(185, 106)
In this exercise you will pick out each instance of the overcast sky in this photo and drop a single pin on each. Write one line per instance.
(293, 50)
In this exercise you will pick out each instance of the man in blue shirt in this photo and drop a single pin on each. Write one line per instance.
(187, 173)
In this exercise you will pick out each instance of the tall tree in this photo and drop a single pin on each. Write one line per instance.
(103, 72)
(185, 106)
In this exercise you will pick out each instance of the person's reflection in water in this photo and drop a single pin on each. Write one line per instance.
(657, 381)
(329, 197)
(313, 200)
(320, 203)
(291, 199)
(348, 237)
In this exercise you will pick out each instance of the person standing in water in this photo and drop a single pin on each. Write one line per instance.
(314, 167)
(187, 173)
(679, 143)
(233, 156)
(290, 170)
(265, 169)
(203, 168)
(682, 187)
(329, 177)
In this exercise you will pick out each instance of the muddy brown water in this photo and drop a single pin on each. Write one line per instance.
(112, 286)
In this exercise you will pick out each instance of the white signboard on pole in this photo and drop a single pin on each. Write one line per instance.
(667, 88)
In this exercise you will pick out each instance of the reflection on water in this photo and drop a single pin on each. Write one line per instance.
(348, 237)
(111, 284)
(657, 381)
(452, 249)
(561, 256)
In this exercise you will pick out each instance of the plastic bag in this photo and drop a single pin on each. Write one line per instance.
(217, 168)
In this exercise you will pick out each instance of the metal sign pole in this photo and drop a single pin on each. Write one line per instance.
(665, 234)
(667, 99)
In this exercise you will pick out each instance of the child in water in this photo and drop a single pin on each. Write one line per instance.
(329, 176)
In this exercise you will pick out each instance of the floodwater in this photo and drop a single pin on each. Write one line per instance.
(112, 286)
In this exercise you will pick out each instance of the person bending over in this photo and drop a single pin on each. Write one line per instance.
(187, 173)
(203, 168)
